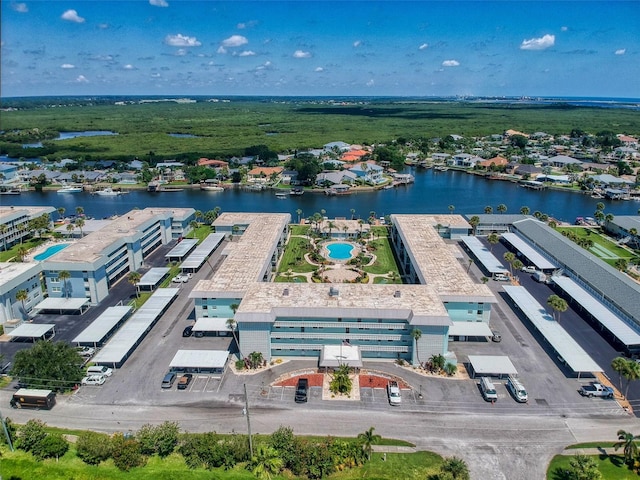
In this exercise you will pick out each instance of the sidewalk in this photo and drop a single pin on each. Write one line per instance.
(609, 451)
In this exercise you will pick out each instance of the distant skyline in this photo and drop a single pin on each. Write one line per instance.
(324, 48)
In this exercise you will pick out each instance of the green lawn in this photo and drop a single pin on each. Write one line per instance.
(603, 247)
(299, 229)
(7, 255)
(385, 261)
(293, 256)
(200, 233)
(611, 467)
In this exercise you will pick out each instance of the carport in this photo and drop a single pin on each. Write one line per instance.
(34, 331)
(63, 305)
(488, 260)
(103, 326)
(530, 253)
(200, 361)
(152, 278)
(333, 356)
(181, 250)
(491, 365)
(470, 329)
(194, 261)
(213, 326)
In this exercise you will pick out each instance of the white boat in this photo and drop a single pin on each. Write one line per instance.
(211, 188)
(70, 189)
(107, 192)
(282, 195)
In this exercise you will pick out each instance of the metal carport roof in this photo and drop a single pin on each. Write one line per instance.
(621, 330)
(101, 326)
(32, 330)
(211, 325)
(153, 277)
(497, 365)
(528, 251)
(470, 329)
(182, 249)
(572, 353)
(200, 359)
(484, 255)
(62, 304)
(202, 251)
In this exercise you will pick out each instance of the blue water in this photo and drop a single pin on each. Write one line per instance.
(68, 135)
(340, 250)
(50, 251)
(432, 192)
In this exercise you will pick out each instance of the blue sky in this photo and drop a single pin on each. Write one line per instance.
(368, 48)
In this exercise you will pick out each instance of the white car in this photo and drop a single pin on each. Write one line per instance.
(86, 351)
(182, 278)
(529, 269)
(393, 390)
(94, 380)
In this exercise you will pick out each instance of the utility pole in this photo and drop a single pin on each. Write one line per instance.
(6, 432)
(246, 412)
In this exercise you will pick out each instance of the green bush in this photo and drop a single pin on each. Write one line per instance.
(51, 446)
(30, 435)
(93, 448)
(161, 439)
(126, 453)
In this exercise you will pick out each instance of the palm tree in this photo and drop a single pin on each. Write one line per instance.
(61, 211)
(493, 239)
(525, 210)
(330, 226)
(266, 462)
(510, 257)
(628, 444)
(79, 211)
(134, 279)
(233, 326)
(451, 209)
(474, 222)
(619, 365)
(80, 223)
(488, 209)
(558, 305)
(21, 296)
(368, 439)
(456, 468)
(353, 213)
(299, 212)
(22, 252)
(64, 275)
(621, 264)
(631, 373)
(600, 206)
(70, 228)
(416, 334)
(517, 264)
(609, 217)
(194, 225)
(198, 215)
(502, 208)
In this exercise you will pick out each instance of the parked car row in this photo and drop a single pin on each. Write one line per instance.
(515, 388)
(183, 382)
(97, 375)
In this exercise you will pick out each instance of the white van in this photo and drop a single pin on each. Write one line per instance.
(501, 277)
(488, 389)
(517, 390)
(99, 370)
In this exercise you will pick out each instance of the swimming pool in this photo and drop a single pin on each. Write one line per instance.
(340, 250)
(52, 250)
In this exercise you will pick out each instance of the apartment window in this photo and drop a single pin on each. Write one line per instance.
(56, 289)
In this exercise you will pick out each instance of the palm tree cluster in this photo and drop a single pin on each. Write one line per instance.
(627, 369)
(341, 382)
(558, 305)
(628, 442)
(583, 242)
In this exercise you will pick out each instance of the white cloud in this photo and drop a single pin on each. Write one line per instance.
(357, 43)
(67, 66)
(564, 29)
(423, 46)
(450, 63)
(20, 7)
(301, 54)
(370, 83)
(247, 53)
(221, 49)
(181, 52)
(541, 43)
(319, 69)
(621, 51)
(128, 66)
(103, 26)
(82, 79)
(158, 3)
(235, 41)
(72, 16)
(180, 40)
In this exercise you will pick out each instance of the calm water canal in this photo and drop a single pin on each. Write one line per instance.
(432, 192)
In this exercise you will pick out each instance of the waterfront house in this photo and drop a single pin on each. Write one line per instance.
(215, 164)
(563, 161)
(606, 179)
(289, 177)
(626, 228)
(523, 169)
(464, 160)
(336, 146)
(263, 174)
(335, 177)
(369, 172)
(440, 157)
(493, 162)
(8, 174)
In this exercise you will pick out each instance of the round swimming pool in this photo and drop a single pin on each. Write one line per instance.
(340, 250)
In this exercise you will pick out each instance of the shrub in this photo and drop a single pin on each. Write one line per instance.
(93, 448)
(31, 434)
(239, 364)
(126, 453)
(161, 439)
(51, 446)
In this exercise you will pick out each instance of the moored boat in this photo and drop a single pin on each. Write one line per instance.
(70, 189)
(108, 192)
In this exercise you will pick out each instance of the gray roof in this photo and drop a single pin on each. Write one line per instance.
(105, 323)
(202, 251)
(627, 222)
(482, 253)
(153, 276)
(492, 365)
(498, 219)
(603, 278)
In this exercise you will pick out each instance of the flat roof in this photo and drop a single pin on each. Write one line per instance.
(89, 226)
(535, 257)
(492, 364)
(336, 355)
(129, 225)
(202, 251)
(618, 327)
(434, 260)
(12, 270)
(153, 276)
(31, 330)
(248, 256)
(484, 255)
(417, 304)
(124, 341)
(182, 248)
(61, 303)
(32, 211)
(101, 326)
(572, 353)
(211, 324)
(470, 329)
(199, 359)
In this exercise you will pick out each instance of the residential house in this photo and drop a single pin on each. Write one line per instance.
(369, 172)
(263, 174)
(335, 177)
(523, 169)
(339, 146)
(8, 174)
(464, 160)
(563, 161)
(289, 177)
(493, 162)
